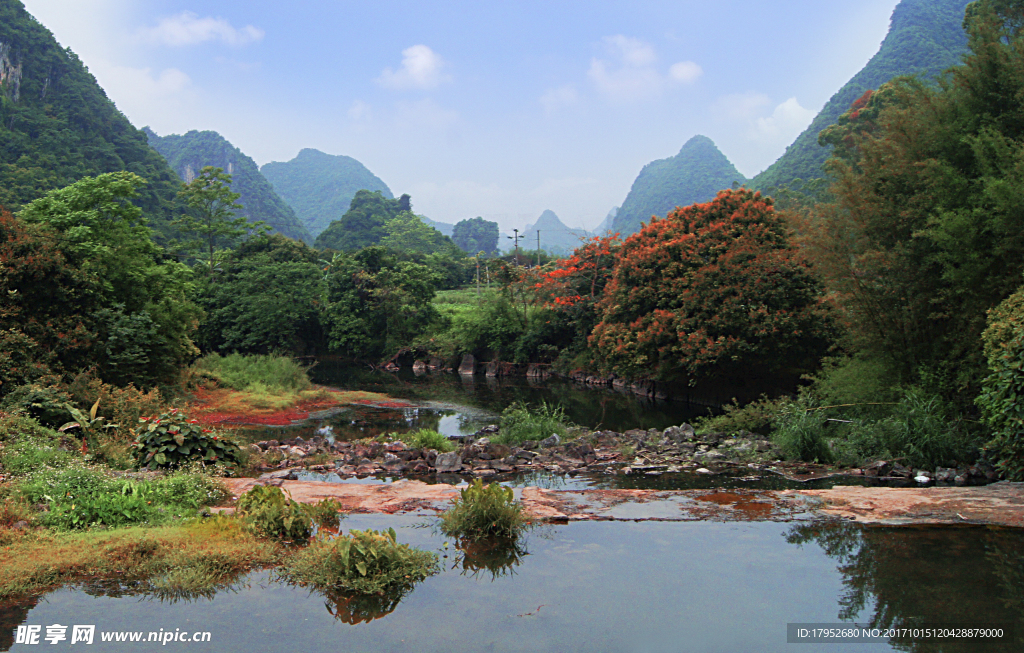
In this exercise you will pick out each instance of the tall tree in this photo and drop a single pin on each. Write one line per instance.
(476, 235)
(212, 215)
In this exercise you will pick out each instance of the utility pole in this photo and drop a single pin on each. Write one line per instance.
(538, 248)
(478, 277)
(516, 239)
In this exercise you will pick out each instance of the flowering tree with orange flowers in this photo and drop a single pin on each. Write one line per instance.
(713, 289)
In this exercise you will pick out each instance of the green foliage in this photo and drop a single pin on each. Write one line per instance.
(694, 175)
(756, 416)
(320, 187)
(266, 299)
(26, 447)
(362, 225)
(476, 235)
(425, 439)
(1000, 400)
(49, 404)
(484, 511)
(268, 512)
(800, 433)
(407, 232)
(80, 496)
(273, 373)
(364, 562)
(214, 217)
(57, 125)
(195, 150)
(171, 440)
(925, 38)
(520, 422)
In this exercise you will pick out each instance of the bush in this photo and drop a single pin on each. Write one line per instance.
(47, 404)
(268, 512)
(519, 423)
(800, 433)
(756, 417)
(484, 511)
(256, 373)
(365, 562)
(171, 440)
(1000, 400)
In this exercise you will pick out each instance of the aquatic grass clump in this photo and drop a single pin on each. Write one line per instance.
(520, 422)
(484, 511)
(425, 439)
(267, 512)
(364, 562)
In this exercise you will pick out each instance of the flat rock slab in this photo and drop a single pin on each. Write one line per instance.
(998, 504)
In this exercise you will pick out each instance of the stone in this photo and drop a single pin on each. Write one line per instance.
(390, 458)
(945, 474)
(482, 442)
(484, 472)
(679, 434)
(272, 443)
(430, 455)
(490, 428)
(921, 478)
(526, 455)
(421, 467)
(396, 446)
(468, 365)
(704, 470)
(900, 470)
(550, 441)
(530, 445)
(419, 366)
(281, 473)
(255, 448)
(877, 468)
(497, 451)
(448, 462)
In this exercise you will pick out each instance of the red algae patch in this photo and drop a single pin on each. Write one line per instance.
(232, 407)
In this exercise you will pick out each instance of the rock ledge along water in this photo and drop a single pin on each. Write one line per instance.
(998, 504)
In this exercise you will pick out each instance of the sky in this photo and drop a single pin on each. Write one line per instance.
(500, 110)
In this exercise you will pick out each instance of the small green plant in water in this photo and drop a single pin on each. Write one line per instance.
(424, 439)
(484, 511)
(520, 423)
(172, 440)
(365, 562)
(268, 512)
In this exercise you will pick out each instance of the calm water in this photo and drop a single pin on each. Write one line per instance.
(622, 586)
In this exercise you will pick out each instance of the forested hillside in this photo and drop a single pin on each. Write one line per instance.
(320, 187)
(189, 153)
(57, 125)
(696, 174)
(925, 37)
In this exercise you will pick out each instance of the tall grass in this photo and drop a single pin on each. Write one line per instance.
(520, 423)
(257, 374)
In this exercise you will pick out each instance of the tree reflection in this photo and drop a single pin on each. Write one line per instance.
(357, 608)
(926, 576)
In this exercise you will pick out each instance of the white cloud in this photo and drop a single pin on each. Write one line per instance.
(147, 97)
(360, 111)
(786, 122)
(742, 106)
(686, 72)
(188, 28)
(631, 72)
(421, 68)
(556, 98)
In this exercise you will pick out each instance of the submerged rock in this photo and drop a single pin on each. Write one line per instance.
(448, 462)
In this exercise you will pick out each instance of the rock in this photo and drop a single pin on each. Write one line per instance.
(298, 442)
(501, 467)
(365, 470)
(482, 442)
(421, 467)
(430, 455)
(390, 458)
(921, 478)
(484, 472)
(900, 470)
(761, 446)
(448, 462)
(530, 445)
(468, 365)
(255, 448)
(526, 455)
(272, 443)
(396, 446)
(295, 452)
(497, 451)
(419, 366)
(679, 434)
(704, 470)
(281, 473)
(490, 428)
(945, 474)
(581, 450)
(550, 441)
(19, 525)
(877, 468)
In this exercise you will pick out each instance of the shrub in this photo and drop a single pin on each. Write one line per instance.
(484, 511)
(47, 404)
(365, 562)
(757, 417)
(520, 423)
(425, 439)
(268, 512)
(1000, 400)
(256, 373)
(800, 433)
(172, 440)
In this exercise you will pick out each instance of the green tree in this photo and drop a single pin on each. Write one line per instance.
(212, 215)
(362, 225)
(407, 232)
(476, 235)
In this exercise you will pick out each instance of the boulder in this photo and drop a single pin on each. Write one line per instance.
(550, 441)
(468, 365)
(679, 434)
(419, 367)
(448, 462)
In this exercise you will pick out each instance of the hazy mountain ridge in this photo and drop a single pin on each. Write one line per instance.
(925, 37)
(696, 174)
(187, 154)
(319, 187)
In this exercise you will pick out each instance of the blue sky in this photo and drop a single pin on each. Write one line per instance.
(493, 109)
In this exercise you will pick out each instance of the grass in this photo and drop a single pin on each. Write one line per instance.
(484, 511)
(520, 423)
(256, 374)
(425, 439)
(173, 561)
(267, 512)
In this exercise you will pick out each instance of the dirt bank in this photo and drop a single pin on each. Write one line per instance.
(999, 504)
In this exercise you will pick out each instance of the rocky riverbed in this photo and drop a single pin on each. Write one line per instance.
(632, 453)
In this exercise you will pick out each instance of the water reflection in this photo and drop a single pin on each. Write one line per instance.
(909, 577)
(497, 557)
(356, 608)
